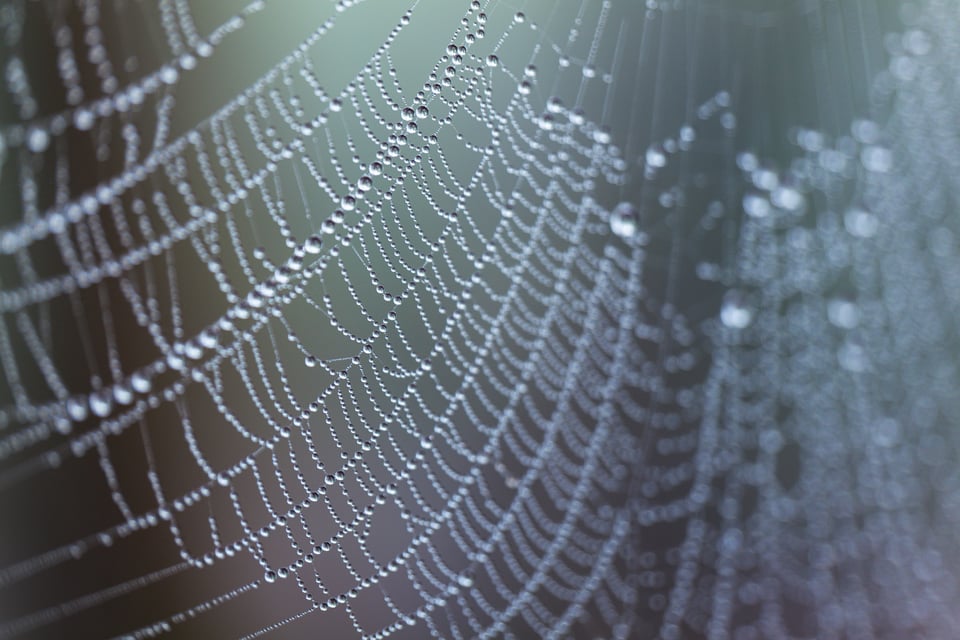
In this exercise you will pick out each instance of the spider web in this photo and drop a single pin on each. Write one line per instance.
(458, 320)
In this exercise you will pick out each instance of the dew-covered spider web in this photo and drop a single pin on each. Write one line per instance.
(491, 319)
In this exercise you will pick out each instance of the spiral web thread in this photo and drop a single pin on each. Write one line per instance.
(462, 361)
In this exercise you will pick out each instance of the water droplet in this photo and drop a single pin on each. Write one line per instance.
(519, 17)
(38, 140)
(656, 157)
(735, 312)
(101, 403)
(886, 432)
(123, 394)
(877, 159)
(756, 206)
(747, 161)
(168, 74)
(852, 357)
(765, 179)
(83, 119)
(77, 409)
(63, 425)
(787, 198)
(601, 135)
(208, 338)
(843, 313)
(866, 131)
(493, 61)
(624, 220)
(408, 114)
(860, 223)
(140, 382)
(917, 42)
(810, 140)
(313, 244)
